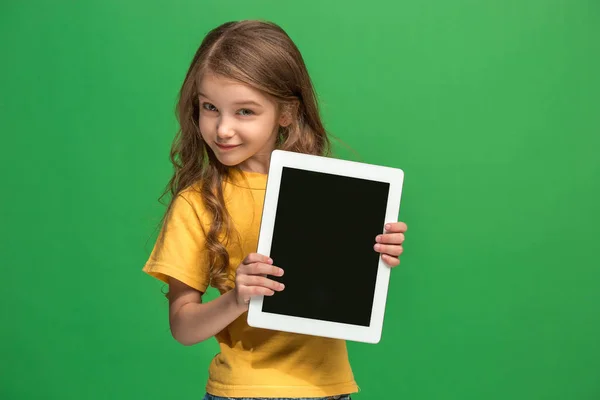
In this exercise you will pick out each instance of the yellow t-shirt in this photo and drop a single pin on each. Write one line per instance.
(252, 362)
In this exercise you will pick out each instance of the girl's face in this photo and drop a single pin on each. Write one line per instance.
(239, 123)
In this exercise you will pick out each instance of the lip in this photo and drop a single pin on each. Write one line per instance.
(226, 147)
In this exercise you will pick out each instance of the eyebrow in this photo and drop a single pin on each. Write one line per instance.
(238, 103)
(247, 102)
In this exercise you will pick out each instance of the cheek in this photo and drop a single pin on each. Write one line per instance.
(204, 126)
(266, 128)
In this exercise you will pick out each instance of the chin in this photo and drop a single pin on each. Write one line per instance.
(230, 161)
(227, 162)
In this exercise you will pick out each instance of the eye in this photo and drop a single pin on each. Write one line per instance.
(209, 107)
(245, 112)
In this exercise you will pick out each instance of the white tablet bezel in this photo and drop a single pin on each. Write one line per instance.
(280, 159)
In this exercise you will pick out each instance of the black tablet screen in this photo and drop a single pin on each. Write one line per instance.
(324, 232)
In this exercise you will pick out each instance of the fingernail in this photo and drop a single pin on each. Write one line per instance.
(387, 227)
(378, 238)
(280, 271)
(281, 286)
(377, 247)
(270, 261)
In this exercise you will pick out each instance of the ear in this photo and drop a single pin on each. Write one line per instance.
(285, 120)
(288, 114)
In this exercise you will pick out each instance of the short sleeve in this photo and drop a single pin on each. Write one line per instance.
(179, 251)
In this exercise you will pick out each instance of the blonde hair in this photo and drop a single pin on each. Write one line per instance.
(261, 55)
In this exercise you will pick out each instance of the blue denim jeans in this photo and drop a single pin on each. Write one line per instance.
(209, 396)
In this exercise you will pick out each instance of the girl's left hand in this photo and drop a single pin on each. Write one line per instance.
(389, 244)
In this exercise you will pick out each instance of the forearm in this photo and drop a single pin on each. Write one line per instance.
(195, 322)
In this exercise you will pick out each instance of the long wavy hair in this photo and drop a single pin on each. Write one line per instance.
(262, 55)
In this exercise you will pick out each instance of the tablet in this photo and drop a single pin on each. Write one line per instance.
(319, 223)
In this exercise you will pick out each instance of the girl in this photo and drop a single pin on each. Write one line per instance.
(246, 93)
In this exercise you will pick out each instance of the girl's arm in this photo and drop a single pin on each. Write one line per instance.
(192, 321)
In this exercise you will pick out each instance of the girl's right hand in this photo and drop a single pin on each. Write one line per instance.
(251, 280)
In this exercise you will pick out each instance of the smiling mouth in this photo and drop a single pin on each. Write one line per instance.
(226, 147)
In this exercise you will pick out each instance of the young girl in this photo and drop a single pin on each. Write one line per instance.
(246, 93)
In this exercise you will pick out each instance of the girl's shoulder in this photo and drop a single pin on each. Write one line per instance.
(191, 194)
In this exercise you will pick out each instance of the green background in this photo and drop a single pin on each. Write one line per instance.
(491, 107)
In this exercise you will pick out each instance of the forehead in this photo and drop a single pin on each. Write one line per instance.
(219, 88)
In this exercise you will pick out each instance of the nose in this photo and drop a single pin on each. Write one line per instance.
(225, 129)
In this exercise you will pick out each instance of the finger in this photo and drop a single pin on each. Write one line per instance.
(248, 291)
(257, 258)
(391, 238)
(391, 261)
(396, 227)
(390, 249)
(255, 280)
(260, 269)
